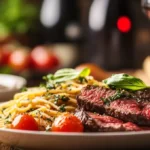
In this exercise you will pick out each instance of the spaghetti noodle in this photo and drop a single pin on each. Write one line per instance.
(44, 104)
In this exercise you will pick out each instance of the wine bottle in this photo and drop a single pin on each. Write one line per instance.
(109, 34)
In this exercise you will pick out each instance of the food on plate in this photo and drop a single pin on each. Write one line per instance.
(102, 123)
(123, 100)
(97, 72)
(47, 102)
(67, 122)
(73, 101)
(24, 122)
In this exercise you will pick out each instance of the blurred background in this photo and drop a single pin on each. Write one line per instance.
(39, 37)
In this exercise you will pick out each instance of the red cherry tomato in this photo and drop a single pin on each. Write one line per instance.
(19, 60)
(42, 59)
(6, 52)
(1, 58)
(25, 122)
(67, 123)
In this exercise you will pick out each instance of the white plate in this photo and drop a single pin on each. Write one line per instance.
(51, 140)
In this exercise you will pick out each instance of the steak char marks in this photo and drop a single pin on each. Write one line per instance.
(124, 107)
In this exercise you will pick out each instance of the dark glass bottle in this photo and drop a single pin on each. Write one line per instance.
(110, 34)
(60, 21)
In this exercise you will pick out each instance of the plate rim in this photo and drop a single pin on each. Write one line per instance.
(92, 134)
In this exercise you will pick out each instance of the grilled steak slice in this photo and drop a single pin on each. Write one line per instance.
(89, 99)
(124, 107)
(143, 95)
(126, 110)
(146, 112)
(100, 123)
(92, 98)
(129, 111)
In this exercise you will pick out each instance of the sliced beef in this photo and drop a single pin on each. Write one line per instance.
(143, 95)
(126, 108)
(129, 110)
(101, 123)
(89, 99)
(146, 112)
(92, 98)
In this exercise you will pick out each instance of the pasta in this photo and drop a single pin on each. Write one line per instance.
(44, 104)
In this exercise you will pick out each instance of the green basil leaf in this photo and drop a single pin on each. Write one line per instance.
(66, 74)
(125, 81)
(65, 78)
(85, 72)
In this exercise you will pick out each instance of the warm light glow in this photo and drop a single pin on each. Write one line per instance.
(124, 24)
(50, 13)
(98, 14)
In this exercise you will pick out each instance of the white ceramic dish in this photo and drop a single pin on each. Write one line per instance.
(72, 141)
(12, 85)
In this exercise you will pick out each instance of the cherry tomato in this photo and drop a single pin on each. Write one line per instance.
(7, 49)
(19, 60)
(42, 59)
(67, 123)
(1, 58)
(24, 122)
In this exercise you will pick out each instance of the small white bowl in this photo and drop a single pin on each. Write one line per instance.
(9, 85)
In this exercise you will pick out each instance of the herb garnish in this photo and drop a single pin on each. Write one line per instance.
(63, 75)
(24, 89)
(62, 108)
(64, 98)
(119, 94)
(82, 80)
(56, 99)
(7, 122)
(32, 109)
(125, 81)
(60, 97)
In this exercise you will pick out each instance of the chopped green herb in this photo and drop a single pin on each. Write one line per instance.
(8, 116)
(64, 98)
(32, 109)
(69, 85)
(60, 97)
(42, 85)
(50, 86)
(82, 80)
(56, 98)
(119, 94)
(47, 95)
(7, 122)
(48, 77)
(62, 108)
(24, 89)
